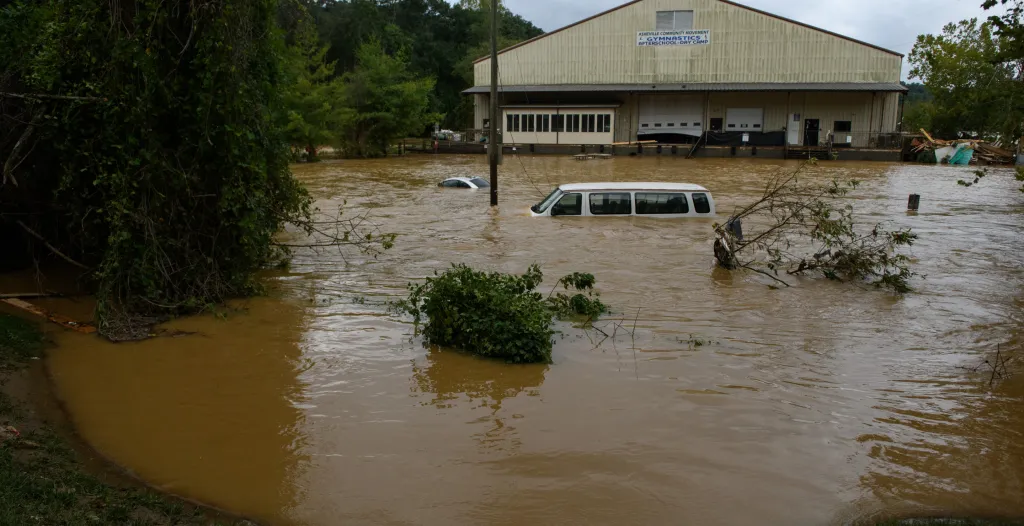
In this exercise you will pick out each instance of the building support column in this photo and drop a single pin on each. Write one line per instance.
(789, 123)
(899, 118)
(871, 118)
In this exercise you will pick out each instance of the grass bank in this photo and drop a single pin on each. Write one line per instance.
(41, 479)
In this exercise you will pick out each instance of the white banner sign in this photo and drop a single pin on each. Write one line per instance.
(692, 37)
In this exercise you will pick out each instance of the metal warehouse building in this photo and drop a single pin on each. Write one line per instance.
(694, 71)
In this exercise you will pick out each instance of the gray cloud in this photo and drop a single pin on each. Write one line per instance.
(884, 23)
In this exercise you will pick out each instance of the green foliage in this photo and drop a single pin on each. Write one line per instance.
(313, 97)
(170, 177)
(497, 315)
(979, 174)
(19, 340)
(384, 101)
(976, 88)
(583, 304)
(439, 41)
(918, 108)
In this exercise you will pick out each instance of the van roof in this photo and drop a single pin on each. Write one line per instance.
(678, 187)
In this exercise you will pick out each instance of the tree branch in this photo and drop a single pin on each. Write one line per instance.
(49, 246)
(47, 96)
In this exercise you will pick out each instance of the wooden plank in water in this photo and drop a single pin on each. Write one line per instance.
(63, 321)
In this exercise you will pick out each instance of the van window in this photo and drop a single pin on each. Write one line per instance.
(609, 204)
(701, 205)
(649, 203)
(542, 206)
(568, 205)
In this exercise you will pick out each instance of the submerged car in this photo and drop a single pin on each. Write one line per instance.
(464, 182)
(627, 199)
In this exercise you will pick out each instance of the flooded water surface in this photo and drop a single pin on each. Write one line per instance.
(730, 403)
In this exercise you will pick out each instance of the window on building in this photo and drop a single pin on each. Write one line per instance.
(607, 128)
(529, 123)
(592, 120)
(558, 122)
(701, 205)
(842, 126)
(515, 123)
(508, 123)
(674, 21)
(545, 123)
(661, 204)
(568, 205)
(575, 124)
(609, 204)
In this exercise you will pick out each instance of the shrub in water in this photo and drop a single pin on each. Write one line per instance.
(496, 315)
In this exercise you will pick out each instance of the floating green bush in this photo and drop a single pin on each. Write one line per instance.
(497, 315)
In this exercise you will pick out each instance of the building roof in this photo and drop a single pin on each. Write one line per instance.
(748, 8)
(718, 86)
(586, 187)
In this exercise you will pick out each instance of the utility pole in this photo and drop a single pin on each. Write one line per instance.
(493, 147)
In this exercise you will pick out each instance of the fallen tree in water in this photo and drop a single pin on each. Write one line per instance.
(498, 315)
(805, 228)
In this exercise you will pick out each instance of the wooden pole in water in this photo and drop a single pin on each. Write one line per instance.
(493, 148)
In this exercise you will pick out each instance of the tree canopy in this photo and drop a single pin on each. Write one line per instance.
(976, 88)
(437, 40)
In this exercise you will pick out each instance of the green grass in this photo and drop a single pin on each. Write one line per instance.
(19, 341)
(41, 482)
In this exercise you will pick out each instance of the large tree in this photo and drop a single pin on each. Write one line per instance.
(384, 101)
(313, 110)
(139, 141)
(437, 39)
(975, 88)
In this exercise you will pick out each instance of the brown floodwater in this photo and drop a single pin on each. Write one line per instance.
(732, 403)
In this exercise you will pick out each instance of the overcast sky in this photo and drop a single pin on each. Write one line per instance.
(886, 23)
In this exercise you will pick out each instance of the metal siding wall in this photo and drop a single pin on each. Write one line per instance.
(745, 47)
(853, 107)
(774, 105)
(480, 111)
(627, 119)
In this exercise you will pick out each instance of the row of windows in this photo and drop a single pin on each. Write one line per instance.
(668, 125)
(568, 123)
(839, 126)
(619, 203)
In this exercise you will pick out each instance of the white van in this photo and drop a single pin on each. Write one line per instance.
(627, 199)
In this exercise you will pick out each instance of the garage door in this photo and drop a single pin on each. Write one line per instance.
(744, 119)
(668, 114)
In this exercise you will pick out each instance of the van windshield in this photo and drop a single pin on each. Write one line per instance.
(540, 207)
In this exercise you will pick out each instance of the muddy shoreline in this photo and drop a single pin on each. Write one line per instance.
(36, 411)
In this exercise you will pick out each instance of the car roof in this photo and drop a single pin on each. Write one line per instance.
(679, 187)
(465, 179)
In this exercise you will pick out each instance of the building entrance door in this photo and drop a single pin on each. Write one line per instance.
(811, 128)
